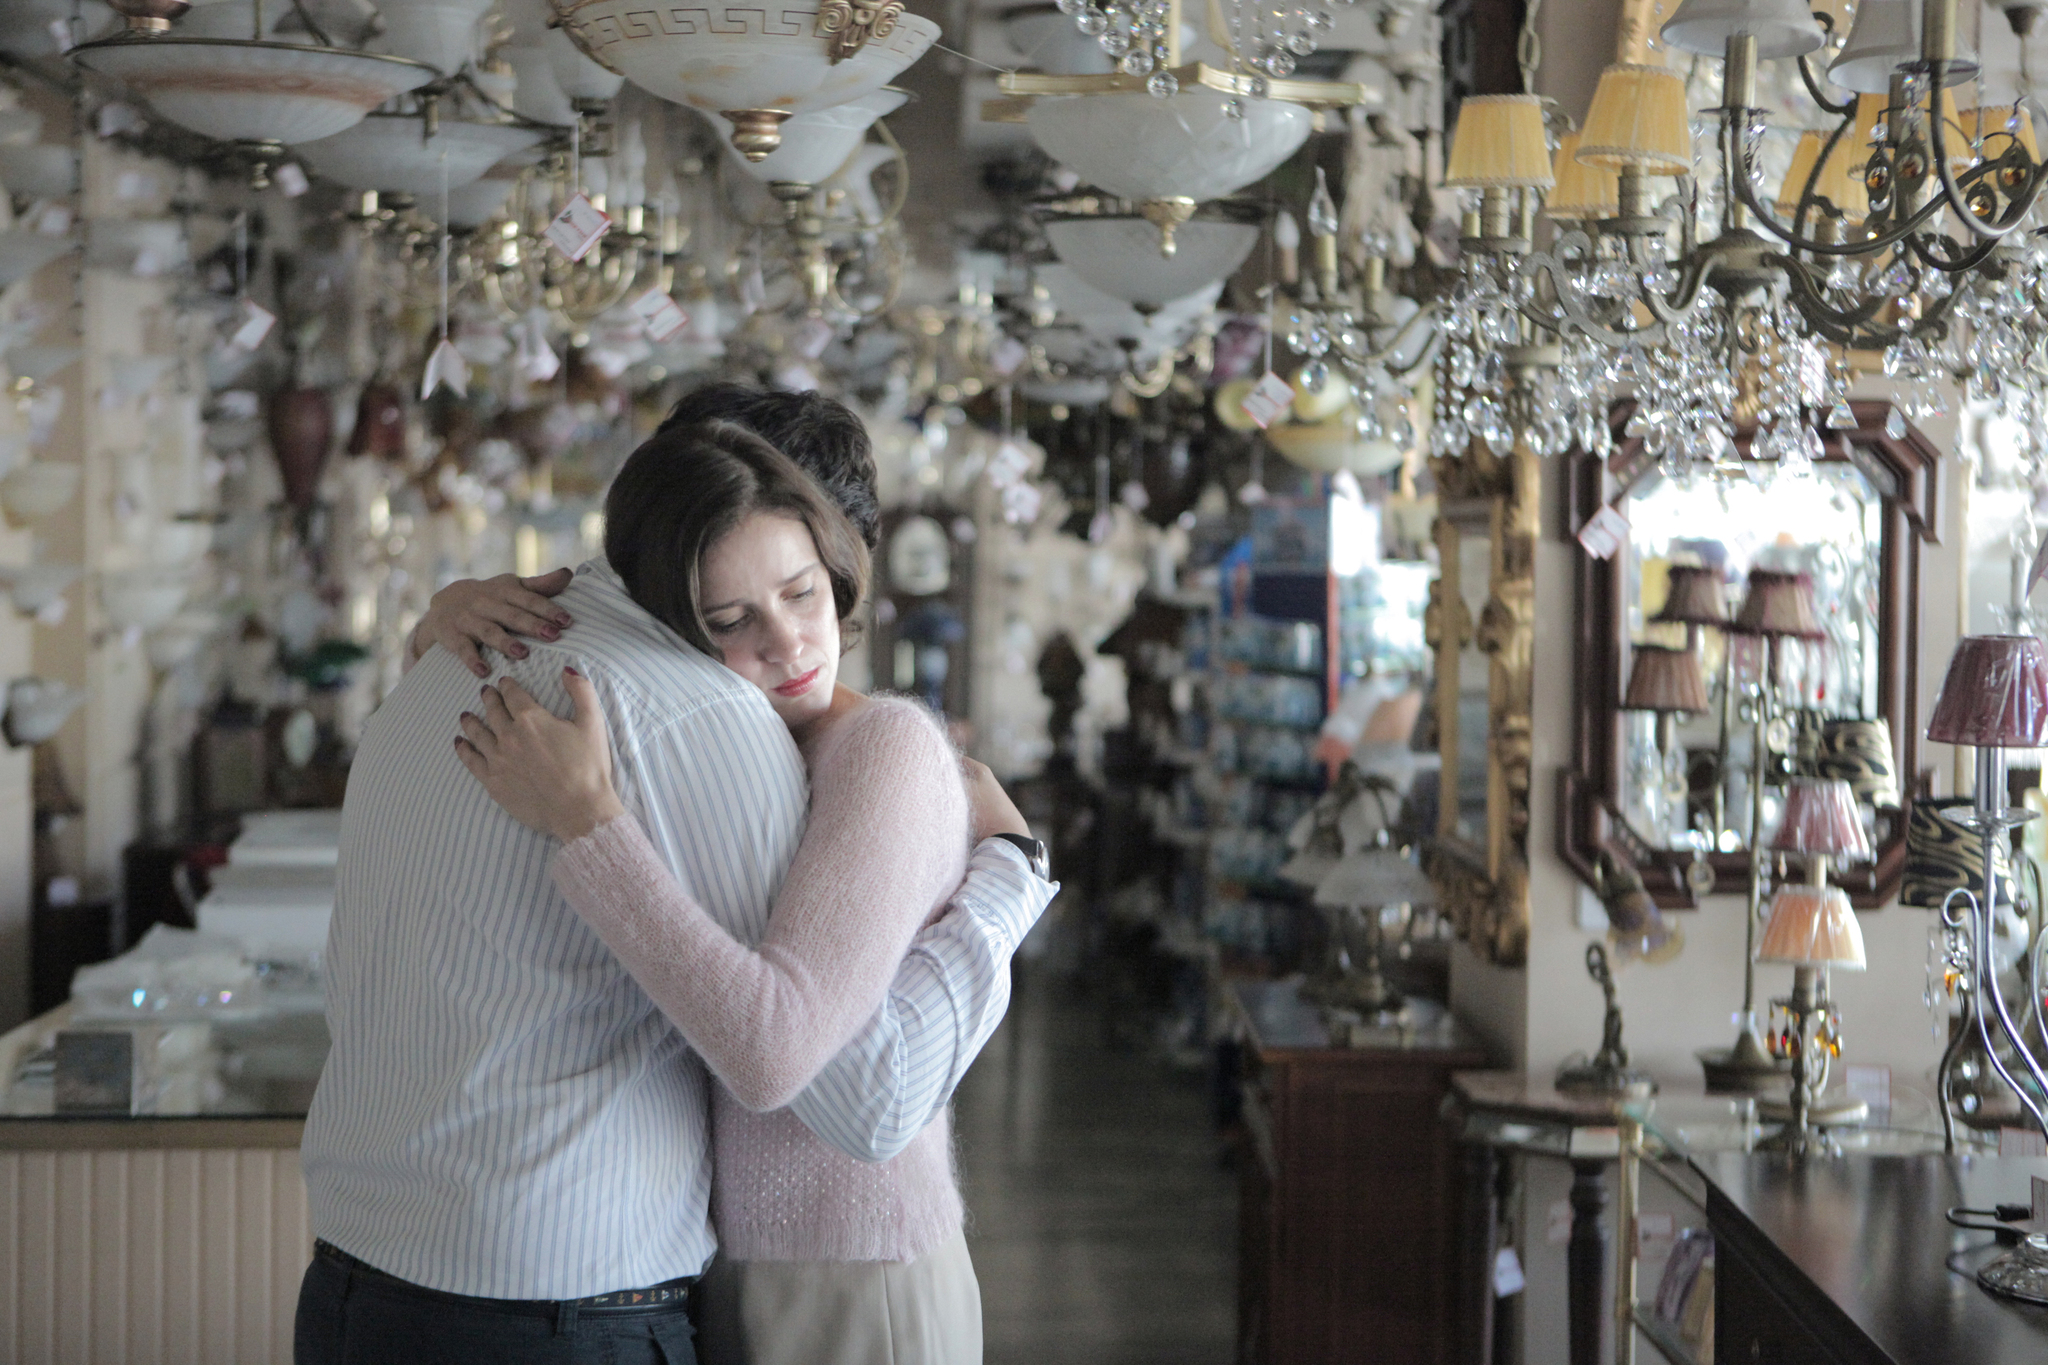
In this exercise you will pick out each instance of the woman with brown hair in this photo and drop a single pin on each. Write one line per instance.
(823, 1259)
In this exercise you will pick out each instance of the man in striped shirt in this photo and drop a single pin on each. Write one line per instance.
(507, 1157)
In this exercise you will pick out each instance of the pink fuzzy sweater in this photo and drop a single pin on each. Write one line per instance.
(885, 847)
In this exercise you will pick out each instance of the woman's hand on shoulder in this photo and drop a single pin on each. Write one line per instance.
(550, 774)
(990, 811)
(474, 614)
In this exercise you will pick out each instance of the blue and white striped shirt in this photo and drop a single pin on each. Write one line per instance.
(504, 1112)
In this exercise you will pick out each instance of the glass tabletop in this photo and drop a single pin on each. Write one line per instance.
(1696, 1123)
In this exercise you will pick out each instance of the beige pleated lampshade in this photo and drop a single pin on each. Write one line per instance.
(1638, 118)
(1582, 191)
(1998, 136)
(1665, 680)
(1840, 181)
(1499, 145)
(1812, 926)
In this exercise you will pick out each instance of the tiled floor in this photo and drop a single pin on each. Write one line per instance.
(1102, 1224)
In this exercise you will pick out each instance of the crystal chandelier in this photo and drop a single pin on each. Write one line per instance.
(1897, 232)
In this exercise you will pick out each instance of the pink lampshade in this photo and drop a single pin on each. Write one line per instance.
(1821, 818)
(1995, 694)
(1812, 926)
(1664, 679)
(1696, 597)
(1779, 604)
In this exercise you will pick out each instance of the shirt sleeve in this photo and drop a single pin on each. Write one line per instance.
(949, 994)
(882, 850)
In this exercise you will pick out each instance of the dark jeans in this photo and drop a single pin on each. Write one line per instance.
(355, 1316)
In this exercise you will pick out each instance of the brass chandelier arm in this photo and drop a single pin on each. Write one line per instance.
(1378, 356)
(1847, 327)
(1738, 178)
(2022, 198)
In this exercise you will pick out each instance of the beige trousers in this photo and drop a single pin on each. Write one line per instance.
(922, 1312)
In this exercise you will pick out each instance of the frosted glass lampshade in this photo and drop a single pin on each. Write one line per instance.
(1995, 694)
(1120, 255)
(254, 92)
(441, 33)
(390, 152)
(1665, 680)
(477, 202)
(1782, 28)
(816, 144)
(1139, 147)
(1047, 41)
(1886, 36)
(1106, 318)
(581, 79)
(1638, 118)
(1779, 604)
(748, 61)
(1582, 191)
(536, 94)
(1821, 818)
(1812, 926)
(1375, 876)
(1499, 145)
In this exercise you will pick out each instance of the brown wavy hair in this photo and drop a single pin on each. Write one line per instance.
(685, 489)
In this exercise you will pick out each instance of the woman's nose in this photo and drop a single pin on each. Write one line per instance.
(783, 642)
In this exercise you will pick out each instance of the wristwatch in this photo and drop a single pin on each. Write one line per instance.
(1034, 851)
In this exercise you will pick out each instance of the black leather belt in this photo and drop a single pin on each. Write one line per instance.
(668, 1294)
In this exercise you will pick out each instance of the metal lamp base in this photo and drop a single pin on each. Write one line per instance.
(1842, 1112)
(1597, 1078)
(1745, 1069)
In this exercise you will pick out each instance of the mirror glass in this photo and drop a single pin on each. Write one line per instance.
(1475, 568)
(1686, 776)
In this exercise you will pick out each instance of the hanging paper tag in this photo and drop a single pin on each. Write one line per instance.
(660, 315)
(446, 366)
(577, 227)
(291, 181)
(811, 338)
(1508, 1279)
(1008, 356)
(1604, 533)
(1557, 1222)
(254, 322)
(1269, 398)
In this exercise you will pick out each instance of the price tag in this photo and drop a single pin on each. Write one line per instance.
(291, 181)
(1508, 1279)
(660, 315)
(254, 322)
(1008, 356)
(1021, 502)
(1010, 463)
(1270, 397)
(577, 227)
(1604, 533)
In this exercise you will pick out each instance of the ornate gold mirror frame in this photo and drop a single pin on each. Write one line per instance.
(1482, 873)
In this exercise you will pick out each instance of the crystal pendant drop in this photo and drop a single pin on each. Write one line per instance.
(1895, 425)
(1165, 85)
(1137, 62)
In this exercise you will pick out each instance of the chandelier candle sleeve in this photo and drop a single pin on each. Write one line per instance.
(1638, 120)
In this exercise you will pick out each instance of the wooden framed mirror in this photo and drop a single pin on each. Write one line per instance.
(1671, 794)
(1480, 626)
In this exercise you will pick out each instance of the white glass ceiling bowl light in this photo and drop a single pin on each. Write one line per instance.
(817, 144)
(1120, 255)
(255, 93)
(1167, 155)
(441, 33)
(1108, 318)
(755, 75)
(388, 152)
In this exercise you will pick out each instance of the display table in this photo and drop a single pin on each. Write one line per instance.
(1348, 1248)
(155, 1239)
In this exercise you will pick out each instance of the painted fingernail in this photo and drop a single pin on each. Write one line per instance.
(572, 672)
(565, 621)
(550, 633)
(519, 651)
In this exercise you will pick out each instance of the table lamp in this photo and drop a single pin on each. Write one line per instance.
(1363, 883)
(1814, 928)
(1668, 682)
(1994, 698)
(1776, 606)
(1696, 596)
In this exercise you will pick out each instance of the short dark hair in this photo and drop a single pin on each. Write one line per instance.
(685, 489)
(825, 438)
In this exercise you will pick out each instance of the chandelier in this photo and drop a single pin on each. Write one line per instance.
(1897, 232)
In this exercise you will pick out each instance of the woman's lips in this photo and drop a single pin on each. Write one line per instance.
(796, 687)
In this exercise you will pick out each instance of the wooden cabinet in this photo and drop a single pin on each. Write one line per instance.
(1349, 1217)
